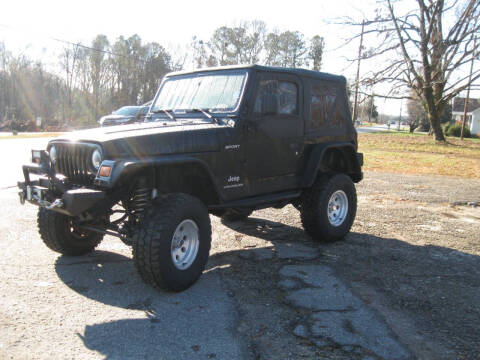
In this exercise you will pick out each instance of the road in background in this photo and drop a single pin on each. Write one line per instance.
(15, 153)
(378, 128)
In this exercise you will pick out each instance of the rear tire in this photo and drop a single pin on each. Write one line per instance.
(172, 243)
(329, 207)
(59, 234)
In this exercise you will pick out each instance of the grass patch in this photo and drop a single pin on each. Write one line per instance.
(402, 152)
(369, 124)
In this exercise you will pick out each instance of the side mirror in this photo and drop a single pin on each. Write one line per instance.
(270, 104)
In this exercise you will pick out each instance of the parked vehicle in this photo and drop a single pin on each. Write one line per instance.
(224, 141)
(125, 115)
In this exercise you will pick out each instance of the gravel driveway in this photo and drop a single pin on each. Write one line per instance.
(405, 283)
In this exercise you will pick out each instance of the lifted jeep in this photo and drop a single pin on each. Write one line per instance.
(224, 141)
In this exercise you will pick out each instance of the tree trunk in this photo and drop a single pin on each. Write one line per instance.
(435, 127)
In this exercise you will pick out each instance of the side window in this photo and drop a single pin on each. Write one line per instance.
(283, 95)
(323, 104)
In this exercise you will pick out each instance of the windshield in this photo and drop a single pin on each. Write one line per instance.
(127, 111)
(216, 92)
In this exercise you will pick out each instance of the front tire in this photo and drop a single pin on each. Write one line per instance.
(172, 243)
(329, 207)
(59, 234)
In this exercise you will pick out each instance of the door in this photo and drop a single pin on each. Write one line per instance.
(273, 136)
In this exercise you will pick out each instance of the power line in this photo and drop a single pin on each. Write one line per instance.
(87, 47)
(79, 44)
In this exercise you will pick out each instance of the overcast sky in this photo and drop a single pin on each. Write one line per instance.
(30, 25)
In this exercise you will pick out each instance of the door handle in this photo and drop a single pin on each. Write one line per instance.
(295, 148)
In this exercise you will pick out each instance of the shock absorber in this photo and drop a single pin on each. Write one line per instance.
(142, 194)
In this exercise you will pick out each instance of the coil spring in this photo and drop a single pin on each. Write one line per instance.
(140, 199)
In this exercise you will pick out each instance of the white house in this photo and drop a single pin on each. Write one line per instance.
(473, 113)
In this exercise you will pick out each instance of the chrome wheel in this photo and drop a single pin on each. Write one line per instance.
(185, 243)
(337, 208)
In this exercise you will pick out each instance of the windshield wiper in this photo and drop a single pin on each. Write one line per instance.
(165, 112)
(207, 114)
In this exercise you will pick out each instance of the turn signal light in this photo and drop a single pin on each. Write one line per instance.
(105, 171)
(36, 155)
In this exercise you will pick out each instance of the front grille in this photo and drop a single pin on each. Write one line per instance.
(74, 162)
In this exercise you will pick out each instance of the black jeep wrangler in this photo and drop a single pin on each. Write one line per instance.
(224, 141)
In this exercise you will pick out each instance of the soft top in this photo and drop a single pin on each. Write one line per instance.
(261, 68)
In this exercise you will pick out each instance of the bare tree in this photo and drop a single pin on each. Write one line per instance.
(69, 61)
(220, 46)
(98, 71)
(97, 78)
(425, 50)
(199, 53)
(272, 48)
(3, 81)
(286, 49)
(317, 43)
(416, 114)
(257, 31)
(368, 109)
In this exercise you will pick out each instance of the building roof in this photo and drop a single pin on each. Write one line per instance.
(459, 104)
(295, 71)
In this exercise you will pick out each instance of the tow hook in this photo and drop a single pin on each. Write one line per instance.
(56, 204)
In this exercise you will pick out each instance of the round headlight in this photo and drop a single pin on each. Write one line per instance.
(96, 158)
(53, 154)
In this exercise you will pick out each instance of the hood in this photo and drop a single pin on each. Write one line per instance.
(151, 139)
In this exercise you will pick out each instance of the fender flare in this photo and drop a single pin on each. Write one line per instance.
(124, 169)
(314, 164)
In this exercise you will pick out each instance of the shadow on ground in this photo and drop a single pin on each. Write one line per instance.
(437, 286)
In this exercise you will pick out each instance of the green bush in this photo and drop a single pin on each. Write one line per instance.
(456, 130)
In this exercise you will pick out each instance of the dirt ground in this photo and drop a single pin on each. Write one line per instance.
(413, 256)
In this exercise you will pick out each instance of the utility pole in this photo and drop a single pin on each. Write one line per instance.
(355, 103)
(371, 107)
(400, 120)
(468, 88)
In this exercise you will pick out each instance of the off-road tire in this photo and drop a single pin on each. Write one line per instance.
(314, 207)
(236, 215)
(57, 233)
(153, 240)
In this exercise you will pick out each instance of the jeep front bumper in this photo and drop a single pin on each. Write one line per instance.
(40, 192)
